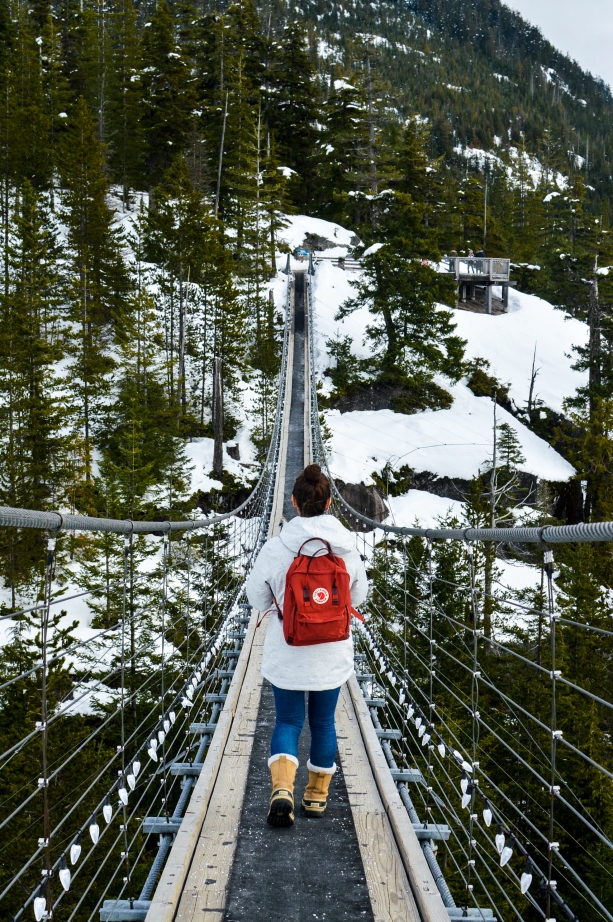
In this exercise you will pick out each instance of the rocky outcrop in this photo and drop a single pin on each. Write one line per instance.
(367, 501)
(318, 244)
(221, 501)
(368, 397)
(401, 398)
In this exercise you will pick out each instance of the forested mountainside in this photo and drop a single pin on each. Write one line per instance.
(516, 88)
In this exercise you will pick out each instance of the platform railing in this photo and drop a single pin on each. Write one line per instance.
(474, 269)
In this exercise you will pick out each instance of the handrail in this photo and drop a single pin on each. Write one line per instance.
(493, 268)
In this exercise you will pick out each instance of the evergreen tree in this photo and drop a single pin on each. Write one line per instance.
(57, 95)
(31, 445)
(176, 242)
(292, 110)
(203, 314)
(98, 281)
(343, 146)
(169, 94)
(125, 101)
(23, 118)
(415, 333)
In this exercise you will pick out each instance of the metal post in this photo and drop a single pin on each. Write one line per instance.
(505, 297)
(488, 299)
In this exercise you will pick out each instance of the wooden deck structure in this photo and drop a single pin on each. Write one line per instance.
(481, 272)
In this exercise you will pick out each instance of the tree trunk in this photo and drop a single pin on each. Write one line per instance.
(218, 419)
(595, 378)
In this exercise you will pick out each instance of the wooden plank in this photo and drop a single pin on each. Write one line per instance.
(277, 506)
(428, 899)
(173, 876)
(205, 891)
(388, 886)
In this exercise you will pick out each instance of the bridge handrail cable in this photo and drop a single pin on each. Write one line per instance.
(410, 700)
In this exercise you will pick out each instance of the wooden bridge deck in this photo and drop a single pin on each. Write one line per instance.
(360, 861)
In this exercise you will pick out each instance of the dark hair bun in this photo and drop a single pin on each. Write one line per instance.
(312, 473)
(312, 491)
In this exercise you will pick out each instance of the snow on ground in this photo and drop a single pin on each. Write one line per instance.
(454, 442)
(515, 575)
(420, 509)
(200, 456)
(508, 342)
(451, 443)
(299, 225)
(331, 287)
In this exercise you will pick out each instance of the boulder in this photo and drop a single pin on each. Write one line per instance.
(367, 501)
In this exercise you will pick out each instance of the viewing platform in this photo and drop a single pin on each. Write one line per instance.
(481, 272)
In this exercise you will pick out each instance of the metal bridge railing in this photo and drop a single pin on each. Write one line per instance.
(104, 749)
(496, 707)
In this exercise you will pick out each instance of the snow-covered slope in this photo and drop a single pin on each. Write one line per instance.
(451, 443)
(508, 342)
(298, 226)
(455, 442)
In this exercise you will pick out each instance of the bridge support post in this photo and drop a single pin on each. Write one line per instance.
(488, 299)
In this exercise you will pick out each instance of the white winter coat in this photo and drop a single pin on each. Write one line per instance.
(318, 667)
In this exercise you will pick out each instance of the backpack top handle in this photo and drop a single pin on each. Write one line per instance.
(317, 553)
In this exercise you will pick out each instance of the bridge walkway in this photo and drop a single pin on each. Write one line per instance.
(362, 861)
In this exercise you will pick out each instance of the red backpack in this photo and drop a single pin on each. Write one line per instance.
(317, 603)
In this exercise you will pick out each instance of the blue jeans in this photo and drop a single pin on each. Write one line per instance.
(289, 706)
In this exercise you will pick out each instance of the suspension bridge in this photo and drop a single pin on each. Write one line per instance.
(452, 800)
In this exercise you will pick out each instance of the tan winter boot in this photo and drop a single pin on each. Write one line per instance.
(315, 797)
(283, 773)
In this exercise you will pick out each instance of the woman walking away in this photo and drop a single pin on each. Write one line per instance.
(308, 645)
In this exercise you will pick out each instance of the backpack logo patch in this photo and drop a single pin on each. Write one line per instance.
(321, 595)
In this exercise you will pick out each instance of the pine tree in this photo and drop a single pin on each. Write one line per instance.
(176, 240)
(125, 101)
(274, 189)
(23, 118)
(292, 110)
(57, 95)
(169, 94)
(98, 281)
(501, 496)
(417, 335)
(32, 448)
(88, 41)
(220, 325)
(344, 142)
(471, 208)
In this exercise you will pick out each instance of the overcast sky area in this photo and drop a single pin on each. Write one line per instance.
(583, 29)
